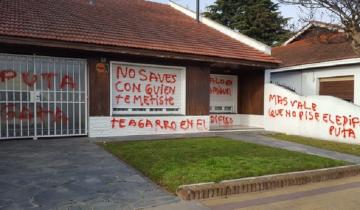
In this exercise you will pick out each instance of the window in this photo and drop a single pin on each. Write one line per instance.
(147, 89)
(340, 87)
(223, 93)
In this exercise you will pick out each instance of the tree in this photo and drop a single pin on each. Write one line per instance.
(259, 19)
(346, 11)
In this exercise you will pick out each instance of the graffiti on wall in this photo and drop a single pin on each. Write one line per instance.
(339, 125)
(144, 125)
(141, 86)
(222, 120)
(12, 111)
(316, 116)
(30, 79)
(221, 85)
(223, 93)
(9, 112)
(160, 124)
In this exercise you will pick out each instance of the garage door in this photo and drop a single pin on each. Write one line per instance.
(340, 87)
(42, 96)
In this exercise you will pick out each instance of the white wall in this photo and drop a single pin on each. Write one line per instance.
(306, 82)
(218, 121)
(323, 117)
(127, 126)
(290, 79)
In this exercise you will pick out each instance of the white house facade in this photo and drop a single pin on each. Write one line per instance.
(316, 90)
(306, 79)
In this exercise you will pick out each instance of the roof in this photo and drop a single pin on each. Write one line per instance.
(235, 34)
(311, 25)
(315, 45)
(135, 24)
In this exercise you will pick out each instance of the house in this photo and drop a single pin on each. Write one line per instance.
(116, 68)
(316, 90)
(319, 60)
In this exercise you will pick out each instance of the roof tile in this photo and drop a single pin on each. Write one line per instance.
(315, 49)
(135, 24)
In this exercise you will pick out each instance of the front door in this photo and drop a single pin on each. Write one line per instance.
(42, 96)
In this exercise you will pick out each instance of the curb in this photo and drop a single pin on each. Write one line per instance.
(263, 183)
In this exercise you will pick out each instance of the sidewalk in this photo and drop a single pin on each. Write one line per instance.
(267, 141)
(336, 194)
(182, 205)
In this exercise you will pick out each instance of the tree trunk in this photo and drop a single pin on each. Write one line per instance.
(354, 34)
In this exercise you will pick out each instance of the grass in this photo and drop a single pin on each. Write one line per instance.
(172, 163)
(323, 144)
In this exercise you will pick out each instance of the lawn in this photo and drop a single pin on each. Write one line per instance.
(329, 145)
(172, 163)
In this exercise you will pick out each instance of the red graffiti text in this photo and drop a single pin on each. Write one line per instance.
(159, 124)
(144, 88)
(220, 86)
(31, 79)
(221, 120)
(339, 125)
(9, 112)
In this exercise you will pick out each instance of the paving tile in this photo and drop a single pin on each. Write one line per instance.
(71, 174)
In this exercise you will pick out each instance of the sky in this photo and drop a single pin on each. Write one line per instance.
(289, 11)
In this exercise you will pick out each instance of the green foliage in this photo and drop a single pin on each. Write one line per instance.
(352, 149)
(258, 19)
(172, 163)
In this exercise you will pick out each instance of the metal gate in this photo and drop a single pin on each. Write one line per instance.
(42, 96)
